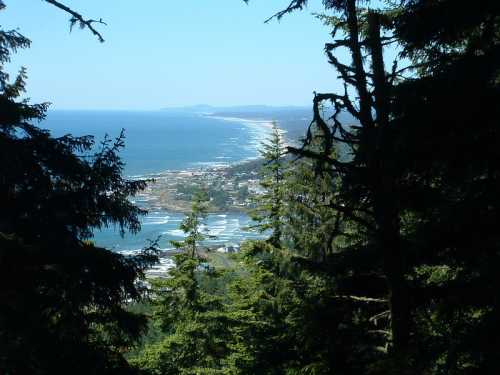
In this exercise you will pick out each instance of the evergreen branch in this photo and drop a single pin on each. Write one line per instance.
(321, 157)
(350, 213)
(360, 74)
(77, 17)
(294, 5)
(318, 120)
(341, 102)
(382, 315)
(380, 331)
(362, 299)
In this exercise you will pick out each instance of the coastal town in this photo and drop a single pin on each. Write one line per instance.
(228, 188)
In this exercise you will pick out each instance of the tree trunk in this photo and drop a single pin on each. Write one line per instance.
(385, 193)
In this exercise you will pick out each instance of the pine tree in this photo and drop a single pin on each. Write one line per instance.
(449, 128)
(182, 285)
(192, 225)
(191, 318)
(268, 212)
(310, 221)
(423, 166)
(367, 196)
(62, 305)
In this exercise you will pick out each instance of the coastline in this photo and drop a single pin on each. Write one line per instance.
(167, 199)
(229, 187)
(252, 121)
(163, 194)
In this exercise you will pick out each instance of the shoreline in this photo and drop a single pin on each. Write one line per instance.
(219, 166)
(170, 193)
(164, 195)
(245, 120)
(216, 166)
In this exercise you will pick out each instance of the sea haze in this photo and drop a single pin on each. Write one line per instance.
(160, 141)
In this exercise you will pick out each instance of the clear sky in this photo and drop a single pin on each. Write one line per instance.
(161, 53)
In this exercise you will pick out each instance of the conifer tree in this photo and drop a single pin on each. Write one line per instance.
(449, 123)
(62, 305)
(192, 320)
(367, 197)
(193, 225)
(269, 206)
(417, 177)
(310, 221)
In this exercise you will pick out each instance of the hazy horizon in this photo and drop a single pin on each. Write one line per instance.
(192, 107)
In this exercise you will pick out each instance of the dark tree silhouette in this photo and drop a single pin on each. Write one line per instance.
(62, 299)
(78, 19)
(420, 186)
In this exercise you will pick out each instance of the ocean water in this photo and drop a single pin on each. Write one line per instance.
(160, 141)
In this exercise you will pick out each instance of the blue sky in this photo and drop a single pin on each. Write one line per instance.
(171, 53)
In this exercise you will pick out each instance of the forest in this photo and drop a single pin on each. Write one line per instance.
(382, 245)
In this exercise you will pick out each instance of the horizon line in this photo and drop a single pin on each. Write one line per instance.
(185, 107)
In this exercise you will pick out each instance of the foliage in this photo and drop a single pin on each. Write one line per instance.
(192, 225)
(62, 298)
(415, 202)
(218, 197)
(190, 319)
(269, 209)
(417, 177)
(383, 246)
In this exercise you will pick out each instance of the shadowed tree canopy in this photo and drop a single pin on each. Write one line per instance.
(61, 297)
(383, 259)
(418, 194)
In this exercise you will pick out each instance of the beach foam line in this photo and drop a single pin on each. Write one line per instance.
(242, 120)
(158, 222)
(257, 125)
(210, 164)
(263, 127)
(175, 232)
(129, 252)
(260, 130)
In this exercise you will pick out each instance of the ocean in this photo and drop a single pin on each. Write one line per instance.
(163, 141)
